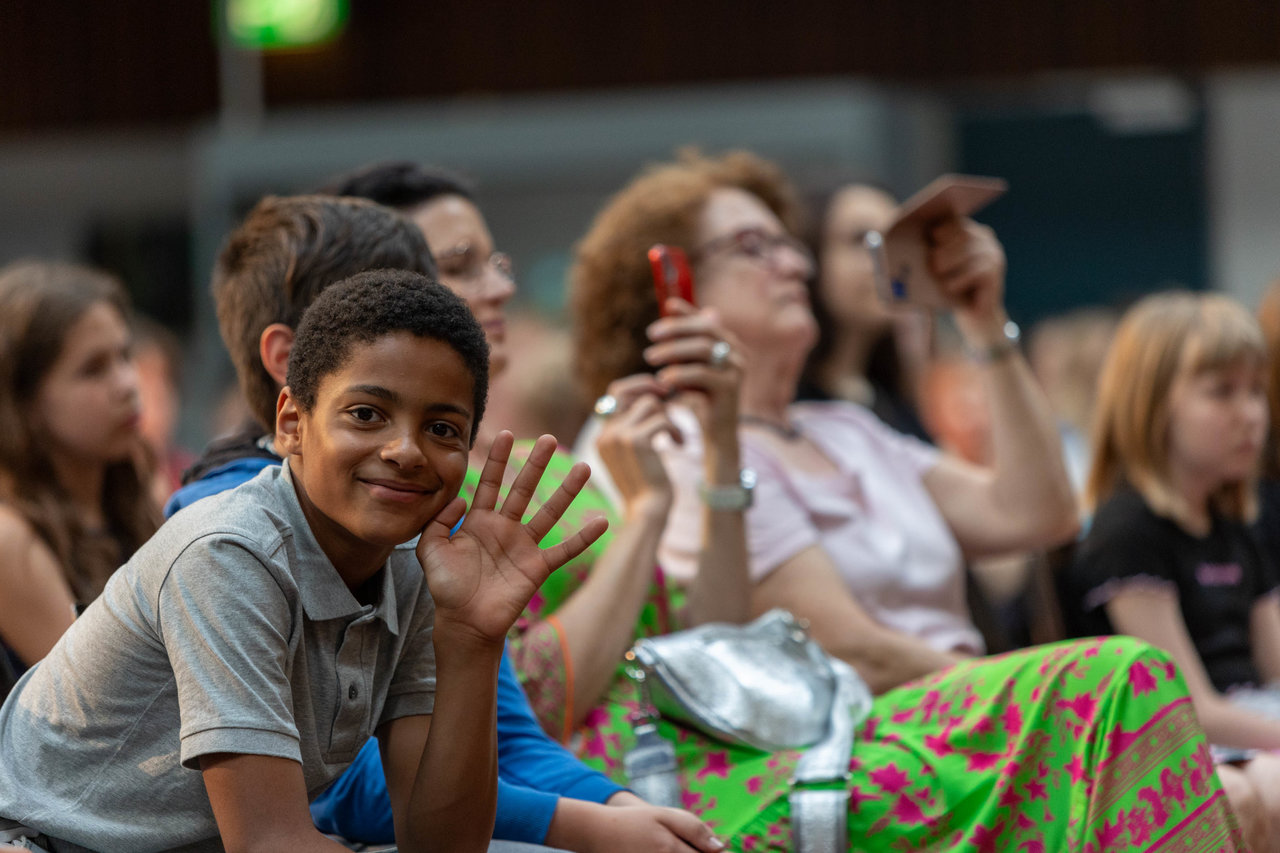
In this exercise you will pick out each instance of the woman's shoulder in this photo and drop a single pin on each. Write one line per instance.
(19, 542)
(16, 531)
(849, 417)
(854, 432)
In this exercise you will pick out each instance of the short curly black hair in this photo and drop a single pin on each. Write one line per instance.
(371, 305)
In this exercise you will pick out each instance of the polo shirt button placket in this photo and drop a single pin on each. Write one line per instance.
(351, 715)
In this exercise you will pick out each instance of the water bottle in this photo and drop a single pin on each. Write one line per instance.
(651, 767)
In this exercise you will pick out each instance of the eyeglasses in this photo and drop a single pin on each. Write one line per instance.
(760, 246)
(462, 263)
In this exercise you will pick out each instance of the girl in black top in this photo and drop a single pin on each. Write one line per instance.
(1179, 431)
(1218, 578)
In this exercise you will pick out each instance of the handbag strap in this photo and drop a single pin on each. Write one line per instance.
(819, 817)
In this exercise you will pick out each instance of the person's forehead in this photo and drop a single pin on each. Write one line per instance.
(447, 218)
(729, 209)
(398, 356)
(860, 207)
(100, 323)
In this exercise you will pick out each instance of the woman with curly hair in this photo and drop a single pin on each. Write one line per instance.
(1074, 746)
(843, 502)
(73, 498)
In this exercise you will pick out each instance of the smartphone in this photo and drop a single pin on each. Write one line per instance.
(899, 254)
(671, 275)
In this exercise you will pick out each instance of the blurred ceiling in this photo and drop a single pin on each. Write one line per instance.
(82, 64)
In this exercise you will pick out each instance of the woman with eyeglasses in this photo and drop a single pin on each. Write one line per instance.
(857, 528)
(862, 531)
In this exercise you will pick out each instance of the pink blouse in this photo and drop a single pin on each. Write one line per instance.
(875, 520)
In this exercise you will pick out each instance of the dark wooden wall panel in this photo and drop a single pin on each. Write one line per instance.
(77, 63)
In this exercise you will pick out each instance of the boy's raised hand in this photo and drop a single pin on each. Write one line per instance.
(483, 576)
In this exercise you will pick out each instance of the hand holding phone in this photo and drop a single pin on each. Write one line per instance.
(900, 254)
(671, 275)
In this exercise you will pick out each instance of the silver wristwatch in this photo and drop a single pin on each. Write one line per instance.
(999, 350)
(730, 497)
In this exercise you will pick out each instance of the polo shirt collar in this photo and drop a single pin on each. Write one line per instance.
(323, 593)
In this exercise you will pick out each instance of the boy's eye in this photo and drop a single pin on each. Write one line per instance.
(440, 429)
(364, 414)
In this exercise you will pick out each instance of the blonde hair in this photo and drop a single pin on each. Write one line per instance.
(1162, 338)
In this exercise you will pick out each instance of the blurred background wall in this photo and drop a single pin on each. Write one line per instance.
(1138, 137)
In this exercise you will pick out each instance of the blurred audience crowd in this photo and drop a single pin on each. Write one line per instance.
(1050, 560)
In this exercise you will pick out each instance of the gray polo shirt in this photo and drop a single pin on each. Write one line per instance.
(229, 631)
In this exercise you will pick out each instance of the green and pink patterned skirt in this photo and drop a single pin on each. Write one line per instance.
(1087, 746)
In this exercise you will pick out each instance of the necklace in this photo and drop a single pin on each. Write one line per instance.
(785, 431)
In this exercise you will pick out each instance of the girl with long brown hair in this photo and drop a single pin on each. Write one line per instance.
(73, 496)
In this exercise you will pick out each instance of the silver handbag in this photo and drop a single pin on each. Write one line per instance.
(767, 685)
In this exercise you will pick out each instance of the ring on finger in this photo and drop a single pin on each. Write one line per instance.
(606, 405)
(720, 352)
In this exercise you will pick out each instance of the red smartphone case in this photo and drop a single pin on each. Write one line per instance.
(671, 275)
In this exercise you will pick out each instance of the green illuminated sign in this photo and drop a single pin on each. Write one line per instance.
(268, 24)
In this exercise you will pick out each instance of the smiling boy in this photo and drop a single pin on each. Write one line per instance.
(238, 662)
(284, 254)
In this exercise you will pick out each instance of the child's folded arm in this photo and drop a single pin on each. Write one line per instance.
(260, 804)
(442, 769)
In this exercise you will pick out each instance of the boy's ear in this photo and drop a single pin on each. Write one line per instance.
(274, 346)
(288, 423)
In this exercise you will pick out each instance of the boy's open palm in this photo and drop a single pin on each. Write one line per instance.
(483, 576)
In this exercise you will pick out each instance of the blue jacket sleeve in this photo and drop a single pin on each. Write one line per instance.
(357, 807)
(528, 757)
(533, 773)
